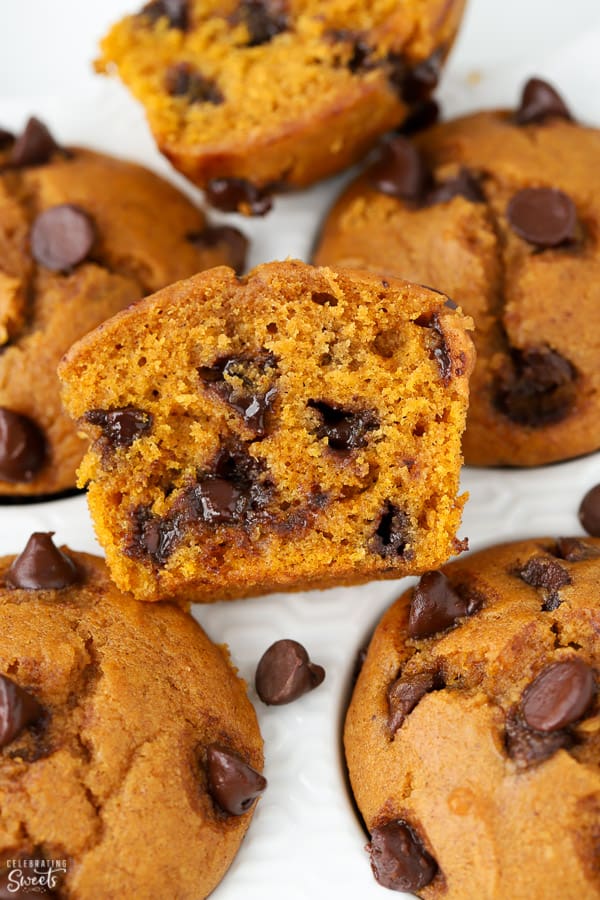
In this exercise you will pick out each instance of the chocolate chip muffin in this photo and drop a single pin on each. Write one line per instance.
(473, 735)
(82, 235)
(129, 751)
(297, 428)
(248, 97)
(501, 211)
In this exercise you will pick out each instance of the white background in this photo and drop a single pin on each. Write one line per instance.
(305, 840)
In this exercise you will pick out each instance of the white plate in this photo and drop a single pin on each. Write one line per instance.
(305, 840)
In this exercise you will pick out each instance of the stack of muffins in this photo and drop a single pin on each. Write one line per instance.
(298, 426)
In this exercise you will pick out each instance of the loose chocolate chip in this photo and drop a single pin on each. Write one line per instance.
(6, 138)
(182, 80)
(575, 550)
(465, 184)
(392, 534)
(559, 695)
(175, 11)
(536, 387)
(589, 511)
(435, 606)
(22, 447)
(544, 217)
(34, 147)
(285, 673)
(41, 566)
(264, 19)
(122, 426)
(17, 710)
(155, 536)
(527, 747)
(405, 692)
(232, 783)
(398, 859)
(344, 429)
(542, 572)
(539, 102)
(253, 404)
(400, 171)
(62, 237)
(237, 194)
(438, 349)
(231, 238)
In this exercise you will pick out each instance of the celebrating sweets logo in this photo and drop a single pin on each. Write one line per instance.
(33, 875)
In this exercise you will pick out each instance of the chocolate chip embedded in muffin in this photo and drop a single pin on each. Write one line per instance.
(398, 858)
(233, 240)
(435, 606)
(176, 12)
(545, 217)
(34, 147)
(121, 427)
(233, 194)
(182, 80)
(539, 103)
(285, 672)
(18, 708)
(23, 450)
(41, 566)
(62, 237)
(232, 783)
(344, 429)
(559, 695)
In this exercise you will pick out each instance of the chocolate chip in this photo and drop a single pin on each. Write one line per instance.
(34, 147)
(589, 511)
(182, 80)
(220, 500)
(122, 426)
(438, 347)
(405, 692)
(536, 387)
(544, 217)
(559, 695)
(237, 194)
(285, 673)
(41, 566)
(361, 55)
(62, 237)
(398, 859)
(232, 783)
(423, 115)
(344, 429)
(542, 572)
(154, 536)
(264, 19)
(231, 238)
(465, 184)
(435, 606)
(575, 550)
(527, 747)
(392, 534)
(175, 11)
(539, 102)
(6, 138)
(400, 171)
(244, 382)
(414, 83)
(22, 447)
(17, 710)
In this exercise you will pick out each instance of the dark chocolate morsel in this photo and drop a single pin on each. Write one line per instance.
(464, 184)
(344, 429)
(153, 536)
(62, 237)
(34, 147)
(182, 80)
(175, 11)
(17, 710)
(589, 511)
(559, 695)
(41, 566)
(544, 217)
(232, 783)
(420, 80)
(540, 101)
(252, 403)
(264, 19)
(392, 533)
(22, 447)
(398, 859)
(423, 115)
(221, 500)
(574, 549)
(216, 235)
(435, 606)
(438, 349)
(237, 194)
(400, 171)
(285, 673)
(121, 427)
(536, 387)
(527, 747)
(405, 692)
(543, 572)
(6, 138)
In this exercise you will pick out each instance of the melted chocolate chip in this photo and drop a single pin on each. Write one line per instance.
(227, 236)
(435, 606)
(34, 147)
(17, 710)
(121, 427)
(422, 115)
(465, 184)
(574, 549)
(182, 80)
(6, 138)
(536, 387)
(264, 19)
(559, 696)
(540, 102)
(232, 783)
(543, 572)
(232, 378)
(589, 511)
(22, 447)
(392, 534)
(175, 11)
(400, 171)
(153, 536)
(41, 566)
(544, 217)
(527, 747)
(220, 501)
(405, 692)
(398, 859)
(285, 673)
(344, 429)
(237, 194)
(62, 237)
(438, 347)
